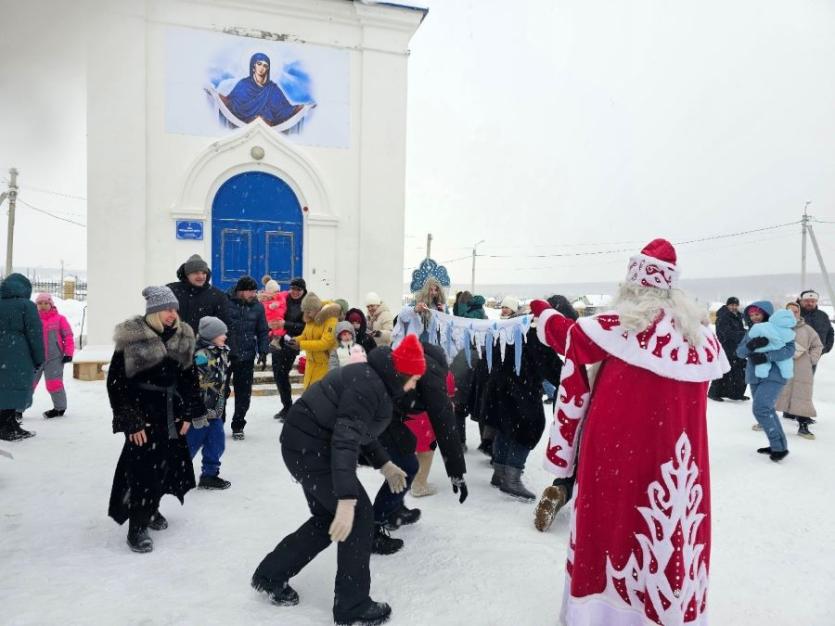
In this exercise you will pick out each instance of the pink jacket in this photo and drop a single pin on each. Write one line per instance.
(54, 322)
(274, 309)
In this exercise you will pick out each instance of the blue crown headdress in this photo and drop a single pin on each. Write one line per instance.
(429, 267)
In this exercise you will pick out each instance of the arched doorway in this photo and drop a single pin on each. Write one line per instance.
(257, 229)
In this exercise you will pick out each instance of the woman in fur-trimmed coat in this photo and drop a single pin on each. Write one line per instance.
(154, 393)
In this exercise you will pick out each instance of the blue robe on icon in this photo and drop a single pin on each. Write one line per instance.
(249, 100)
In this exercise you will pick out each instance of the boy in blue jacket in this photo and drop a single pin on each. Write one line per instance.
(211, 356)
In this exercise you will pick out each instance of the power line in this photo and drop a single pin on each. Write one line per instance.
(57, 217)
(54, 193)
(622, 250)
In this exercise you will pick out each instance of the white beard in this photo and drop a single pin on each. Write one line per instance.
(638, 307)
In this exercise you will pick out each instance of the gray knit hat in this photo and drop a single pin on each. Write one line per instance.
(159, 299)
(195, 263)
(211, 327)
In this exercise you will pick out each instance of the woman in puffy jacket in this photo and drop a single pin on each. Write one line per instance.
(58, 347)
(319, 337)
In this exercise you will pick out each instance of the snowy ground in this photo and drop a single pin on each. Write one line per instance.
(63, 561)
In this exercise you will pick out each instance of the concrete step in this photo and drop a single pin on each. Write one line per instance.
(267, 377)
(270, 390)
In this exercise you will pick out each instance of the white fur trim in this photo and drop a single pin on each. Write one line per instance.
(648, 271)
(661, 349)
(542, 322)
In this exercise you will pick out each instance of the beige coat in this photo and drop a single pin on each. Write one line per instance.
(383, 321)
(796, 397)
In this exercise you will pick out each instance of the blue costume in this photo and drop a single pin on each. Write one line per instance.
(249, 100)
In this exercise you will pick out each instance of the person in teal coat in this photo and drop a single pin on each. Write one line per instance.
(21, 353)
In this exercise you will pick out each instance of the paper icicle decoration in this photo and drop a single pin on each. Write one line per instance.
(454, 334)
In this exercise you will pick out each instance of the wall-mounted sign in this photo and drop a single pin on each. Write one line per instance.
(217, 82)
(189, 230)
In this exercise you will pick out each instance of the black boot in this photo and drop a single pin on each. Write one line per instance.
(282, 414)
(402, 517)
(766, 450)
(374, 614)
(281, 594)
(213, 482)
(10, 430)
(383, 542)
(715, 397)
(139, 540)
(53, 413)
(158, 522)
(803, 428)
(778, 456)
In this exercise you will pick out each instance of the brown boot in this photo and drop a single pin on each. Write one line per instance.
(553, 499)
(420, 487)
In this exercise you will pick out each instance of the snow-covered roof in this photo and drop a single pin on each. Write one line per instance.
(595, 300)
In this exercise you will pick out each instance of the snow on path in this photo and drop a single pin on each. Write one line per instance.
(63, 561)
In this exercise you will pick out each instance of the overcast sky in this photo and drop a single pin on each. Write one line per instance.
(555, 126)
(541, 126)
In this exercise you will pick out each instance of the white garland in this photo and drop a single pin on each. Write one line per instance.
(453, 334)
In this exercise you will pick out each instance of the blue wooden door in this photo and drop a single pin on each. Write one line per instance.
(256, 230)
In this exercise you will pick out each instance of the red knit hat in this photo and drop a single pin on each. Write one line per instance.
(408, 357)
(655, 266)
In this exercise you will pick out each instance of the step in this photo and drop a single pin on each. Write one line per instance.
(270, 390)
(267, 377)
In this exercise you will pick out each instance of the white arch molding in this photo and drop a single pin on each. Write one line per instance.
(231, 156)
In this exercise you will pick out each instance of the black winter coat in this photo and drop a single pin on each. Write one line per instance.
(199, 302)
(730, 329)
(248, 330)
(294, 318)
(819, 320)
(340, 417)
(431, 396)
(513, 403)
(363, 338)
(163, 464)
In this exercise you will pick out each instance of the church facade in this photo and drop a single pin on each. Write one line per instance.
(268, 137)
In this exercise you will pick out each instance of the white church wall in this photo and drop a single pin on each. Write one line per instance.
(353, 229)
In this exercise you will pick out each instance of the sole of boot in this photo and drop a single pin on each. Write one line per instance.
(17, 436)
(293, 601)
(549, 505)
(141, 549)
(808, 436)
(518, 496)
(363, 622)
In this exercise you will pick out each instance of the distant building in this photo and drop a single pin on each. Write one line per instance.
(591, 304)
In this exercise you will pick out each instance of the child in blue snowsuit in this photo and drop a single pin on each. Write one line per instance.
(211, 356)
(779, 330)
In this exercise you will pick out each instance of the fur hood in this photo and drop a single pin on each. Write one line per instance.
(329, 310)
(144, 348)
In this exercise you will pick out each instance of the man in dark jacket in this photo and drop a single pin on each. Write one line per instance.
(730, 329)
(284, 356)
(430, 395)
(816, 318)
(197, 297)
(334, 421)
(21, 353)
(248, 338)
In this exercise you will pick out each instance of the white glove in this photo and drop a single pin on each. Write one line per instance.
(395, 477)
(200, 422)
(343, 521)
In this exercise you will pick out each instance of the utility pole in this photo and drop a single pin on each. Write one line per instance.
(472, 277)
(822, 266)
(429, 245)
(11, 194)
(805, 226)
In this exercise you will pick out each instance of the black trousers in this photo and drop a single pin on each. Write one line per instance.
(241, 372)
(283, 360)
(353, 577)
(732, 384)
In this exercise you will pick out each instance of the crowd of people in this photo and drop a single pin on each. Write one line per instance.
(366, 402)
